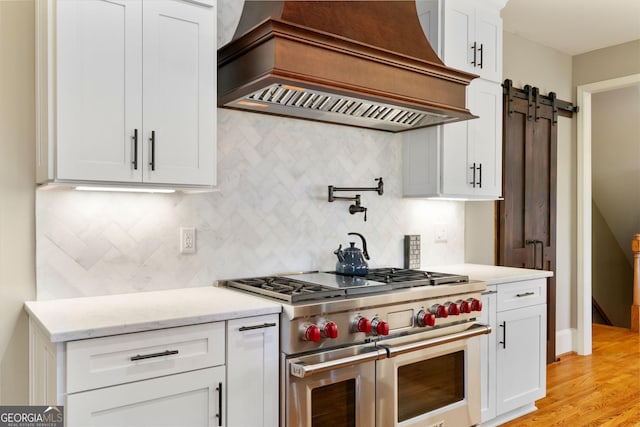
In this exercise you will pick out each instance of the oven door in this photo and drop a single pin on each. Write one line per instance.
(430, 379)
(332, 388)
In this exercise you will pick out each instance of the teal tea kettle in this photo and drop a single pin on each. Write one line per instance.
(352, 260)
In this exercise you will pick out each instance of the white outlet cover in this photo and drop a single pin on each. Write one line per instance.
(440, 231)
(187, 240)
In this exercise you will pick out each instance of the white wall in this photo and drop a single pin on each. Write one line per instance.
(270, 214)
(17, 172)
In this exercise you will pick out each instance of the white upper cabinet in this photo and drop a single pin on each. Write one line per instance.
(126, 92)
(472, 38)
(461, 160)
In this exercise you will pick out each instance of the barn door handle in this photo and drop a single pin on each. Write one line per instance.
(535, 251)
(541, 254)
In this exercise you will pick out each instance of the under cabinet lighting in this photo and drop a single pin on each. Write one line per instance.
(126, 189)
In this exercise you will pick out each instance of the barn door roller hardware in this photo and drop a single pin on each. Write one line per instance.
(535, 100)
(357, 205)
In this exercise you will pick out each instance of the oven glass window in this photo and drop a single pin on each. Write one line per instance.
(334, 405)
(430, 384)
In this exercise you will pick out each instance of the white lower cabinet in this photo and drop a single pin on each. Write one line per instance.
(513, 356)
(212, 374)
(252, 372)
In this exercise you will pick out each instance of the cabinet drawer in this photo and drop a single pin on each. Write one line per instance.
(119, 359)
(522, 294)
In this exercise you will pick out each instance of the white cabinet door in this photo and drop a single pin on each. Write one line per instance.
(252, 372)
(473, 38)
(485, 138)
(459, 34)
(521, 356)
(190, 399)
(99, 89)
(179, 92)
(489, 38)
(488, 356)
(472, 150)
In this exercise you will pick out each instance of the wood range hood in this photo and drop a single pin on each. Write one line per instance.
(357, 63)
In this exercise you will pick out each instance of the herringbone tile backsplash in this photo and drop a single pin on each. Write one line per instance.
(270, 213)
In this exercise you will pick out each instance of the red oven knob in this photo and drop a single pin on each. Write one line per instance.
(330, 330)
(465, 306)
(425, 319)
(453, 308)
(312, 333)
(379, 327)
(476, 304)
(439, 310)
(362, 324)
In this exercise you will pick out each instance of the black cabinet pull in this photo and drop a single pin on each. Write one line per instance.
(480, 174)
(152, 355)
(135, 149)
(474, 53)
(473, 181)
(152, 163)
(504, 335)
(526, 294)
(219, 414)
(249, 328)
(481, 55)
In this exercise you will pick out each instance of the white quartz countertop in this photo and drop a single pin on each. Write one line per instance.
(90, 317)
(493, 275)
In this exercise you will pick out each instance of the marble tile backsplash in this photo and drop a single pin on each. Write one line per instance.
(268, 215)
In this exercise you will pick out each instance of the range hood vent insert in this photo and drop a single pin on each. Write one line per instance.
(357, 111)
(358, 63)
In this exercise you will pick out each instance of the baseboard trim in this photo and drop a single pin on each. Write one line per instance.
(565, 341)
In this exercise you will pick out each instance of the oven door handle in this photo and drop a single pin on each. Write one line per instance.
(472, 331)
(302, 370)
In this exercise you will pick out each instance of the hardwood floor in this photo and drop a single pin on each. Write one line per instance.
(598, 390)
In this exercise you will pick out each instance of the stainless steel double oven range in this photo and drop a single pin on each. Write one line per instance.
(393, 348)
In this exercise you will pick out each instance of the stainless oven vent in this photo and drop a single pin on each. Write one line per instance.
(334, 108)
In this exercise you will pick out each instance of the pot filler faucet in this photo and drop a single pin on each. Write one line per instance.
(356, 207)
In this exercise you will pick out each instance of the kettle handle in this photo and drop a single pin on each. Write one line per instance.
(364, 245)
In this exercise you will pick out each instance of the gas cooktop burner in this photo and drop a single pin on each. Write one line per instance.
(413, 277)
(284, 288)
(321, 286)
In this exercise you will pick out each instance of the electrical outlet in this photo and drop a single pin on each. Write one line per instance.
(438, 424)
(187, 240)
(440, 231)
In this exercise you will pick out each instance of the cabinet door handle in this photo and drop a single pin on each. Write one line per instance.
(152, 140)
(152, 355)
(249, 328)
(135, 149)
(481, 56)
(474, 53)
(526, 294)
(480, 175)
(219, 414)
(473, 181)
(504, 335)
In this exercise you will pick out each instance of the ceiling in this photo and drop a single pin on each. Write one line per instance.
(574, 26)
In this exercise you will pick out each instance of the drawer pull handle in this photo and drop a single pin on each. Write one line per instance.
(249, 328)
(219, 414)
(526, 294)
(152, 355)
